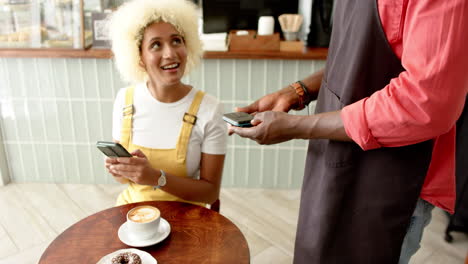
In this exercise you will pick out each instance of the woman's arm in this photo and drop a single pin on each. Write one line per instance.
(206, 190)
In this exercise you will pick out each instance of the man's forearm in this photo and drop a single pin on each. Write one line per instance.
(313, 82)
(321, 126)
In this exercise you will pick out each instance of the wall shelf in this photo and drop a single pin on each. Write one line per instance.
(307, 54)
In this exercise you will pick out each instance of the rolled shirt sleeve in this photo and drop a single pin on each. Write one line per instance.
(426, 99)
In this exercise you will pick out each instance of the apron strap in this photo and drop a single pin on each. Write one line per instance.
(127, 111)
(189, 120)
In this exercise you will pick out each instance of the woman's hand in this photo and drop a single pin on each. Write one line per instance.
(269, 128)
(109, 162)
(137, 169)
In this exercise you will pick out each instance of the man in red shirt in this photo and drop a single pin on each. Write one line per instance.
(384, 130)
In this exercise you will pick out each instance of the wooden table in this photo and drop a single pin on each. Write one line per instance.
(198, 235)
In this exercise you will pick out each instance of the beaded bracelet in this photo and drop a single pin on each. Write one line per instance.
(301, 90)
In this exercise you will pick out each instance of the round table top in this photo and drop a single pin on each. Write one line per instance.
(198, 235)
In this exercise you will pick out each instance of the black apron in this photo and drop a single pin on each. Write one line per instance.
(356, 205)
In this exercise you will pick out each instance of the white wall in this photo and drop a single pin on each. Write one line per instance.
(4, 171)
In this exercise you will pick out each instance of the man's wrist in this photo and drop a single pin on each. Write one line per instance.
(290, 96)
(302, 94)
(307, 98)
(328, 125)
(295, 127)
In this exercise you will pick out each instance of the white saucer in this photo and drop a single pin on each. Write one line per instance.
(146, 258)
(163, 232)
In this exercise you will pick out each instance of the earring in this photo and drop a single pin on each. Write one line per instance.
(142, 65)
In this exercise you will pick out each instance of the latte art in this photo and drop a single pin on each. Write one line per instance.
(143, 214)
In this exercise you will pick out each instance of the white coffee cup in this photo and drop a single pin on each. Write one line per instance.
(143, 222)
(266, 25)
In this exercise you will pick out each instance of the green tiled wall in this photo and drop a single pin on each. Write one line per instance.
(52, 111)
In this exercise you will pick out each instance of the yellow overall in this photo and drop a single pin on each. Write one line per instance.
(171, 161)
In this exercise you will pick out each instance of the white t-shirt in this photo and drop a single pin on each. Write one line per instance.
(157, 125)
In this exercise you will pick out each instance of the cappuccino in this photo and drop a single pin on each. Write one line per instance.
(143, 214)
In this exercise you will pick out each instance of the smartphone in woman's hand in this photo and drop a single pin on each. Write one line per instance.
(112, 149)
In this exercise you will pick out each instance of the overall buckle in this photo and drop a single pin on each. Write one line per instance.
(189, 118)
(127, 110)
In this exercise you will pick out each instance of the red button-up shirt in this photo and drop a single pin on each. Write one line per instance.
(424, 101)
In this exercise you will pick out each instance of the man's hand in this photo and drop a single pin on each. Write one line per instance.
(280, 101)
(276, 127)
(269, 128)
(286, 98)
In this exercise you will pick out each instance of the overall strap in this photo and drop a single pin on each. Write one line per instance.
(126, 132)
(189, 120)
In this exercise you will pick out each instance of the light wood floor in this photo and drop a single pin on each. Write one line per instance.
(32, 215)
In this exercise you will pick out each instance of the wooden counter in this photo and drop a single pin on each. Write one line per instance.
(307, 54)
(56, 53)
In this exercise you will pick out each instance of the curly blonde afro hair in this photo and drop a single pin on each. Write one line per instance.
(128, 23)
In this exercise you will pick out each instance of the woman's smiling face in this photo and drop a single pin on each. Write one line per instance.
(163, 54)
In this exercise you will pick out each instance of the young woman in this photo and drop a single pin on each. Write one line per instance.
(174, 131)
